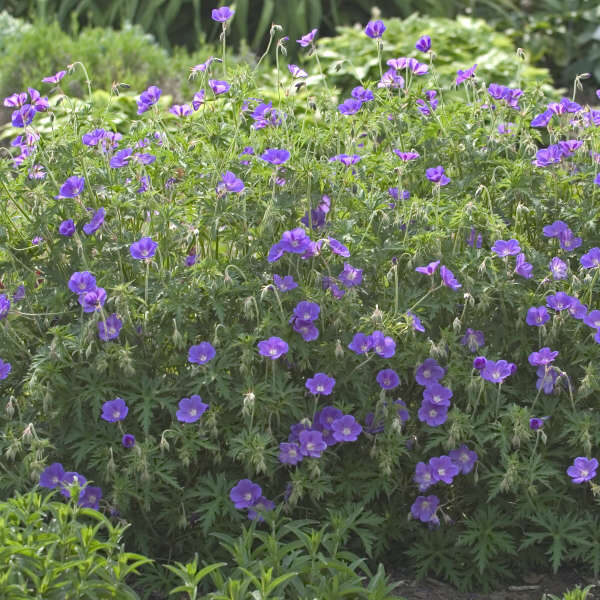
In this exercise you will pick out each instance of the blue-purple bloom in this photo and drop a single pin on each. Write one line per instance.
(143, 249)
(273, 348)
(5, 369)
(559, 301)
(423, 44)
(82, 281)
(375, 29)
(311, 443)
(463, 458)
(361, 343)
(496, 371)
(4, 306)
(148, 99)
(92, 300)
(437, 394)
(522, 267)
(504, 248)
(436, 175)
(544, 356)
(423, 476)
(245, 494)
(284, 284)
(429, 372)
(128, 440)
(95, 222)
(591, 259)
(350, 276)
(67, 228)
(261, 506)
(296, 71)
(583, 469)
(114, 410)
(191, 409)
(346, 429)
(362, 94)
(383, 345)
(350, 106)
(462, 76)
(448, 278)
(90, 497)
(429, 269)
(52, 476)
(443, 468)
(558, 268)
(182, 110)
(218, 86)
(320, 383)
(432, 414)
(222, 14)
(307, 40)
(306, 311)
(388, 379)
(289, 453)
(424, 508)
(473, 339)
(201, 353)
(275, 156)
(537, 316)
(71, 188)
(110, 329)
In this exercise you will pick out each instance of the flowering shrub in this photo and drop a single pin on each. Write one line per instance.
(242, 308)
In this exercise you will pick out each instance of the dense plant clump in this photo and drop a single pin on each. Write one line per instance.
(377, 316)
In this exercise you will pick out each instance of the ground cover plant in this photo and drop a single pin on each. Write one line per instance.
(369, 325)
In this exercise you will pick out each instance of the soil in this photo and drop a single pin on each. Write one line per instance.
(533, 587)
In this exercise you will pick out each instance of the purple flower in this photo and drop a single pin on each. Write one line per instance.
(203, 67)
(190, 259)
(559, 301)
(582, 469)
(406, 156)
(443, 468)
(275, 156)
(128, 440)
(463, 458)
(362, 94)
(535, 423)
(82, 281)
(218, 86)
(375, 29)
(437, 394)
(67, 228)
(52, 476)
(555, 229)
(320, 384)
(424, 508)
(592, 319)
(429, 372)
(504, 248)
(201, 353)
(479, 362)
(591, 259)
(296, 71)
(245, 493)
(432, 415)
(361, 343)
(522, 267)
(95, 222)
(338, 248)
(289, 453)
(54, 78)
(143, 249)
(544, 356)
(346, 159)
(448, 278)
(383, 345)
(144, 158)
(577, 310)
(414, 322)
(537, 316)
(464, 75)
(346, 429)
(261, 506)
(496, 371)
(23, 117)
(15, 100)
(423, 44)
(148, 98)
(423, 476)
(222, 15)
(182, 110)
(388, 379)
(473, 240)
(198, 99)
(272, 348)
(568, 241)
(190, 409)
(71, 478)
(5, 369)
(296, 241)
(19, 293)
(307, 39)
(90, 497)
(110, 329)
(436, 175)
(391, 79)
(114, 410)
(306, 311)
(350, 106)
(350, 276)
(558, 268)
(472, 339)
(547, 377)
(93, 300)
(121, 158)
(71, 188)
(311, 443)
(430, 269)
(306, 329)
(4, 306)
(284, 284)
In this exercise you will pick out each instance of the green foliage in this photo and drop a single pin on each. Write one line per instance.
(53, 550)
(356, 500)
(351, 57)
(574, 594)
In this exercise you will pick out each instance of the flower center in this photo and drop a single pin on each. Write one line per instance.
(346, 431)
(193, 412)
